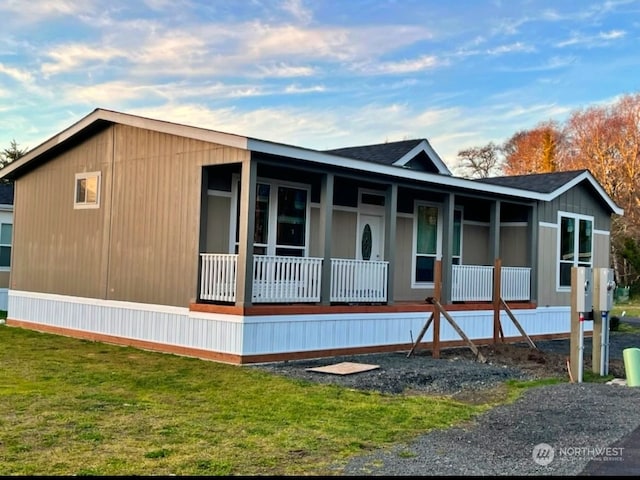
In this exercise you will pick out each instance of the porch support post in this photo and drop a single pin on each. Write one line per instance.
(494, 231)
(244, 274)
(532, 235)
(447, 247)
(326, 222)
(391, 214)
(204, 215)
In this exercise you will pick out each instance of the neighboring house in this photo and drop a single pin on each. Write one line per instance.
(143, 232)
(6, 226)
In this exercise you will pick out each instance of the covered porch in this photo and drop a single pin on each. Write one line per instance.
(283, 279)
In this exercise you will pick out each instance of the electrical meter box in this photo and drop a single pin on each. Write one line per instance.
(603, 289)
(584, 289)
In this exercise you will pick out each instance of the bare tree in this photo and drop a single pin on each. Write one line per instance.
(479, 162)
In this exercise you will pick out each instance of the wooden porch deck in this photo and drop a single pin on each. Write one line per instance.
(306, 309)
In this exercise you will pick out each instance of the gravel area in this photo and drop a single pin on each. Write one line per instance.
(575, 419)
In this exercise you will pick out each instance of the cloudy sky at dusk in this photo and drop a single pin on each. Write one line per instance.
(316, 73)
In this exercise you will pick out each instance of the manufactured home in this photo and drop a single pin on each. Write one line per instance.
(165, 236)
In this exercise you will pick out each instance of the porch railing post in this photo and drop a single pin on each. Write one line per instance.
(497, 291)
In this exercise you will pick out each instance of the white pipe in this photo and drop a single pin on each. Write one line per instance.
(581, 348)
(605, 351)
(603, 342)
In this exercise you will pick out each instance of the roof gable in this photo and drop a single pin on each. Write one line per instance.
(553, 184)
(415, 154)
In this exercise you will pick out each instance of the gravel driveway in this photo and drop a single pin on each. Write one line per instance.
(572, 420)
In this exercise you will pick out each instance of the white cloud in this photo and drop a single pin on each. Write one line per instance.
(283, 70)
(35, 11)
(514, 47)
(297, 9)
(424, 62)
(71, 57)
(17, 74)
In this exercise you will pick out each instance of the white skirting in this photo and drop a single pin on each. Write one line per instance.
(4, 298)
(268, 334)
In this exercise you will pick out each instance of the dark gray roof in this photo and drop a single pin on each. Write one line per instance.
(535, 182)
(384, 153)
(6, 193)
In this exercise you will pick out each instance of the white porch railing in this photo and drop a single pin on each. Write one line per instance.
(471, 283)
(286, 279)
(358, 280)
(298, 280)
(293, 279)
(515, 283)
(218, 277)
(475, 283)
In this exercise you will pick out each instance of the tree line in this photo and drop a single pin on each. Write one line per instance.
(604, 139)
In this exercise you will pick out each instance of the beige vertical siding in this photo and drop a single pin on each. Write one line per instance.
(404, 264)
(343, 234)
(218, 216)
(156, 214)
(601, 250)
(142, 244)
(547, 265)
(475, 244)
(59, 249)
(513, 246)
(4, 279)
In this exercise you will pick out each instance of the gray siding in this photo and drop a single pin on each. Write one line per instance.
(580, 199)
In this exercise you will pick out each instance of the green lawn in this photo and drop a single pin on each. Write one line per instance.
(74, 407)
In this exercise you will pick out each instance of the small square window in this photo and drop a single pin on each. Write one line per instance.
(87, 190)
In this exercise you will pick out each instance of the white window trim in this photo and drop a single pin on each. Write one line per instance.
(10, 245)
(577, 217)
(85, 175)
(273, 214)
(414, 247)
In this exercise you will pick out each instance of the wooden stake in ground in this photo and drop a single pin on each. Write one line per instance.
(422, 332)
(517, 324)
(472, 346)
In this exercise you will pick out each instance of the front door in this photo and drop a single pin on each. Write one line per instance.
(370, 241)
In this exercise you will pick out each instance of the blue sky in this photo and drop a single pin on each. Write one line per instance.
(318, 74)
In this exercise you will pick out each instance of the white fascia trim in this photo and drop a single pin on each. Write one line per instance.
(196, 133)
(389, 171)
(149, 307)
(431, 153)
